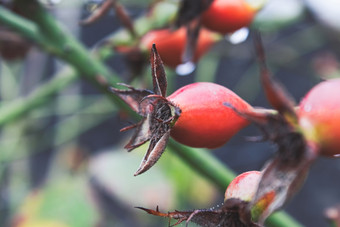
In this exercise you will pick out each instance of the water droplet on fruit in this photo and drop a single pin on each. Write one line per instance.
(238, 36)
(185, 68)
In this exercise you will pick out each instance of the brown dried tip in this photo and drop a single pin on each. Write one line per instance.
(157, 112)
(124, 17)
(98, 13)
(190, 10)
(121, 13)
(193, 31)
(277, 96)
(189, 15)
(158, 73)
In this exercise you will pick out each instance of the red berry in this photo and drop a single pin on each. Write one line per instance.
(204, 120)
(226, 16)
(244, 186)
(319, 116)
(171, 44)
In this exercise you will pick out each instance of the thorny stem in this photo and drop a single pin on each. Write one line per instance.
(47, 33)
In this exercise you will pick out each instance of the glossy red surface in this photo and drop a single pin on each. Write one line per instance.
(171, 44)
(319, 116)
(205, 121)
(225, 16)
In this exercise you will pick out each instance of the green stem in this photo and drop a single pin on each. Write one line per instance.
(281, 219)
(62, 132)
(49, 34)
(26, 28)
(19, 107)
(203, 162)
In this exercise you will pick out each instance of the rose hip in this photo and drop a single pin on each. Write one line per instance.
(319, 116)
(171, 44)
(243, 186)
(225, 16)
(204, 120)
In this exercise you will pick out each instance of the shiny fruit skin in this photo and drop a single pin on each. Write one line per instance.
(204, 120)
(225, 16)
(244, 186)
(319, 116)
(171, 44)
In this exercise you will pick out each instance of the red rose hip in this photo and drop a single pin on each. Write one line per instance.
(319, 116)
(171, 44)
(225, 16)
(204, 120)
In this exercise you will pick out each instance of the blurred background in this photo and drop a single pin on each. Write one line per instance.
(63, 164)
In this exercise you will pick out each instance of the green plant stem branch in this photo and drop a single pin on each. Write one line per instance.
(19, 107)
(205, 164)
(26, 28)
(47, 33)
(52, 38)
(64, 131)
(44, 31)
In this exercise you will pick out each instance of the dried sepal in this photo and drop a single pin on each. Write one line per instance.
(120, 11)
(98, 13)
(124, 17)
(256, 114)
(156, 148)
(157, 128)
(189, 15)
(233, 213)
(158, 73)
(131, 96)
(276, 94)
(141, 135)
(282, 177)
(158, 114)
(193, 31)
(190, 10)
